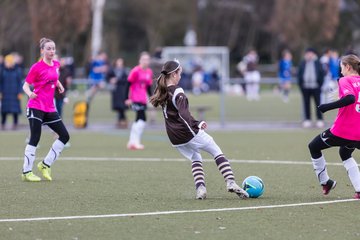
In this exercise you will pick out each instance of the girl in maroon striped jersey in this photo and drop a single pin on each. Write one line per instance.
(186, 134)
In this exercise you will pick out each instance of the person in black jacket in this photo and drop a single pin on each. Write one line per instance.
(117, 77)
(65, 78)
(310, 80)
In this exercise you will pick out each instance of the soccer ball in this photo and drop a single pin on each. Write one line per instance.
(254, 186)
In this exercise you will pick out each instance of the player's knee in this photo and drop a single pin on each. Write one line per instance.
(141, 116)
(345, 153)
(34, 140)
(315, 151)
(64, 137)
(311, 146)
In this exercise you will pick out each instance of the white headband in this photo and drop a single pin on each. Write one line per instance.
(177, 61)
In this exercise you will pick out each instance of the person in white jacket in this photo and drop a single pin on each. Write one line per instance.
(252, 77)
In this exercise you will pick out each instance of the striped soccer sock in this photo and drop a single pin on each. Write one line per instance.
(319, 165)
(29, 158)
(353, 173)
(224, 167)
(198, 173)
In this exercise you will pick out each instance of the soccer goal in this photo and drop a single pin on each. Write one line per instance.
(214, 62)
(211, 59)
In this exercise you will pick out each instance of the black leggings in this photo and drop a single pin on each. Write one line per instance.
(121, 114)
(327, 140)
(140, 109)
(307, 95)
(35, 131)
(140, 115)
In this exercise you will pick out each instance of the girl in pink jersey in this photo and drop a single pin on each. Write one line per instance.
(345, 132)
(140, 79)
(43, 76)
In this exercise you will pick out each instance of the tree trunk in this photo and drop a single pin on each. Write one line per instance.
(97, 26)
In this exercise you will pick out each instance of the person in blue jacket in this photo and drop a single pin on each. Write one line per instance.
(10, 91)
(285, 67)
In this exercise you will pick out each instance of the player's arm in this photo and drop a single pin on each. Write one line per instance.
(60, 86)
(128, 101)
(182, 105)
(342, 102)
(131, 79)
(27, 90)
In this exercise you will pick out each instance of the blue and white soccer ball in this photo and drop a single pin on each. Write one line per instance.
(254, 186)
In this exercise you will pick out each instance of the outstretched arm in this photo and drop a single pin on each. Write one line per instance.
(182, 105)
(342, 102)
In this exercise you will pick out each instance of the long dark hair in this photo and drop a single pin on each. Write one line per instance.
(161, 93)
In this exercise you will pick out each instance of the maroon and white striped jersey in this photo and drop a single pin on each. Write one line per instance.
(181, 127)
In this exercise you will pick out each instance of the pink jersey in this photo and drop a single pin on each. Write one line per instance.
(43, 77)
(140, 79)
(347, 121)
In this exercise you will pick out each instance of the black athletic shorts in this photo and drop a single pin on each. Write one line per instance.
(138, 107)
(43, 117)
(331, 140)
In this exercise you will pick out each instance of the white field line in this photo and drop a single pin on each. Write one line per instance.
(122, 159)
(173, 212)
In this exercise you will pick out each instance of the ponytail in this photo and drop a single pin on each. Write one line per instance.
(161, 92)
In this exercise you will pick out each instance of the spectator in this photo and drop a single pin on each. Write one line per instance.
(10, 91)
(310, 80)
(248, 68)
(98, 69)
(327, 85)
(156, 63)
(1, 61)
(285, 67)
(19, 62)
(331, 84)
(118, 78)
(334, 65)
(197, 80)
(324, 60)
(65, 79)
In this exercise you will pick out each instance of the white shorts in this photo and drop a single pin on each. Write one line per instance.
(202, 141)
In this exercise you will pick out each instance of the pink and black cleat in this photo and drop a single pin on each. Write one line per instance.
(357, 195)
(330, 184)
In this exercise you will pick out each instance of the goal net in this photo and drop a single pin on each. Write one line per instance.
(214, 61)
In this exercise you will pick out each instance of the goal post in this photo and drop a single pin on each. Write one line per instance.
(211, 59)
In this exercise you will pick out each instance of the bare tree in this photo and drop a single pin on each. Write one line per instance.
(158, 19)
(14, 30)
(62, 20)
(233, 23)
(303, 23)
